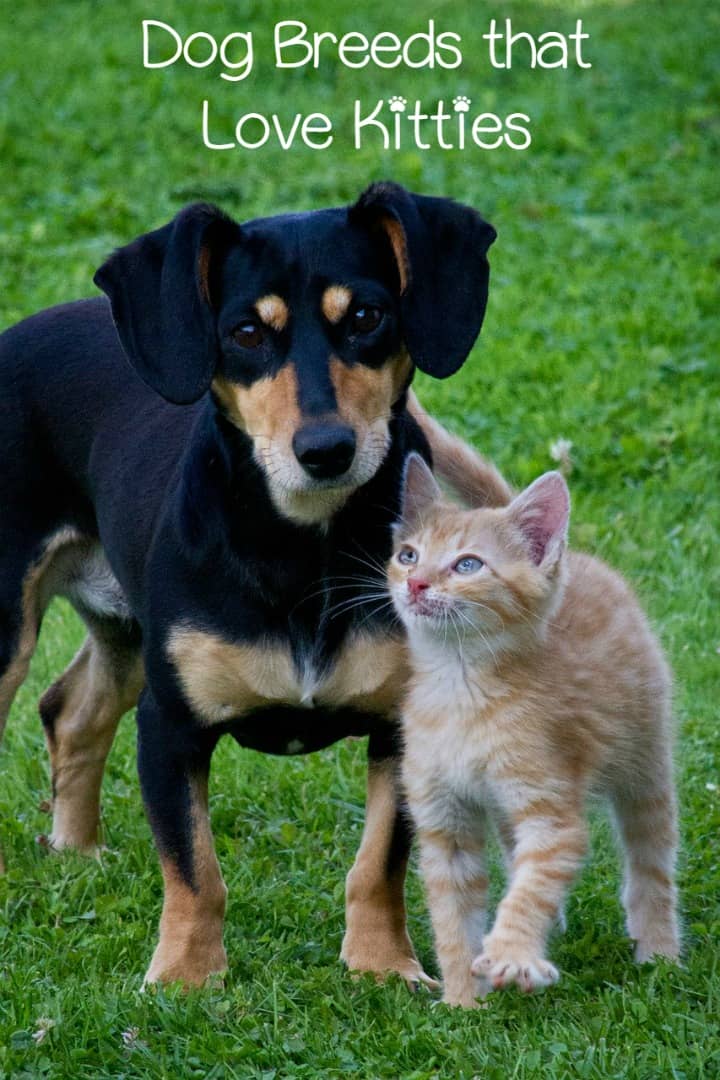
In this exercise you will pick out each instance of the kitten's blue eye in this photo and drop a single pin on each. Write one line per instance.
(407, 556)
(469, 564)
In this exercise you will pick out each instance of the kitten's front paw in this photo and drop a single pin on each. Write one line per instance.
(462, 989)
(469, 1000)
(502, 964)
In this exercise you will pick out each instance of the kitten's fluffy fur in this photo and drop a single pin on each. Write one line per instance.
(536, 680)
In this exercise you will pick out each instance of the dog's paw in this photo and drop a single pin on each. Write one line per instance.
(503, 964)
(384, 961)
(415, 977)
(408, 970)
(57, 843)
(192, 967)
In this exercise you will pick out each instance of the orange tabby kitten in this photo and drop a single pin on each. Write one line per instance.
(536, 680)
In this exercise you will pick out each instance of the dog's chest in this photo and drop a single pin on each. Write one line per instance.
(223, 680)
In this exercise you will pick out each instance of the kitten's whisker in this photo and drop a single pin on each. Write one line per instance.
(328, 587)
(376, 567)
(356, 601)
(485, 607)
(538, 618)
(486, 642)
(355, 577)
(353, 584)
(524, 612)
(369, 560)
(456, 627)
(466, 619)
(376, 611)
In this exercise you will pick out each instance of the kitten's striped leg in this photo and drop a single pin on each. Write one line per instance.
(453, 869)
(548, 851)
(648, 827)
(506, 836)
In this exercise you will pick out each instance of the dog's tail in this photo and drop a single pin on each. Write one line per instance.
(474, 479)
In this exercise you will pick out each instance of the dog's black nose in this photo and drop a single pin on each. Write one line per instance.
(325, 450)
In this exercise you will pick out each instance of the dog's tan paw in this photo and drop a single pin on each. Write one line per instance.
(57, 843)
(190, 967)
(384, 961)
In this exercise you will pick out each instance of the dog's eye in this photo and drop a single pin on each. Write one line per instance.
(407, 556)
(367, 318)
(249, 335)
(469, 564)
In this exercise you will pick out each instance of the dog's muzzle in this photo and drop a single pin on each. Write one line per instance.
(325, 451)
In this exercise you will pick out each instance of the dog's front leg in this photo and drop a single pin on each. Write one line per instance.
(174, 762)
(376, 937)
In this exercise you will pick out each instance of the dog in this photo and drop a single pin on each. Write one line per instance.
(205, 461)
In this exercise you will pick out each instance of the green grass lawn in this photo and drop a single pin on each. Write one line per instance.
(602, 328)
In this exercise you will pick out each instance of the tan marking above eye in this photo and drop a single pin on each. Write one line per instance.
(335, 303)
(273, 311)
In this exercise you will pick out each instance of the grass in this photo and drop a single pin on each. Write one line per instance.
(602, 329)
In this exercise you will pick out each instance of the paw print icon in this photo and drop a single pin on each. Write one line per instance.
(397, 104)
(462, 103)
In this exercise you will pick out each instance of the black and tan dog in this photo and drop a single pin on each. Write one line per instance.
(210, 509)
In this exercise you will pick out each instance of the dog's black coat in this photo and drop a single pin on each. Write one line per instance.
(141, 456)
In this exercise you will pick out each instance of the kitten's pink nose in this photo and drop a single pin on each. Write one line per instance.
(416, 586)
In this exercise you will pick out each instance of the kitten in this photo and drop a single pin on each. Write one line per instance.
(535, 680)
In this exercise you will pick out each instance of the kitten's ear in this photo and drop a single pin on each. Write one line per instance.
(420, 490)
(542, 513)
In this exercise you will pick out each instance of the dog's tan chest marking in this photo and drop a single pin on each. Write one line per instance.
(223, 680)
(370, 674)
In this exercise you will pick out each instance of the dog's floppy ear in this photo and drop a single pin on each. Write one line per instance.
(160, 288)
(440, 249)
